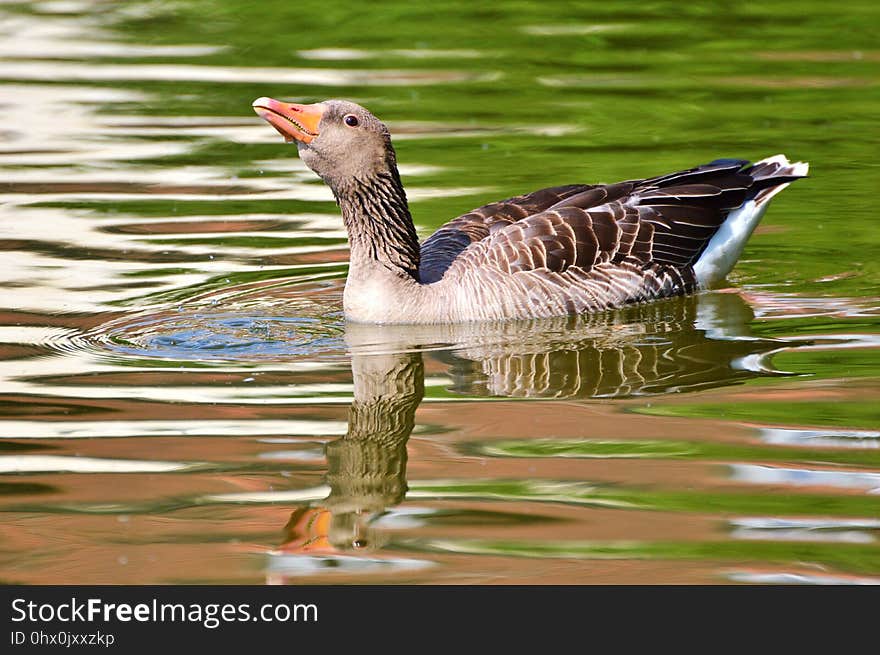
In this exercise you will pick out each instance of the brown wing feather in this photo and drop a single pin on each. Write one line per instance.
(442, 247)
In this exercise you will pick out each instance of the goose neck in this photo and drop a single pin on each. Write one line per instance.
(380, 227)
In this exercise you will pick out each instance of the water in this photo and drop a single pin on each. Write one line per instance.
(181, 400)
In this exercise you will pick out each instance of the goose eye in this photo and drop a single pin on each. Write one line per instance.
(351, 120)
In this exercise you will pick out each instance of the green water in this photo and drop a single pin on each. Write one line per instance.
(181, 400)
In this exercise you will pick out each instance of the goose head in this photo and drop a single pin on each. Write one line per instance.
(337, 139)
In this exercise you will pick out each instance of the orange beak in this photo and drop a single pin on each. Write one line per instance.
(293, 122)
(307, 531)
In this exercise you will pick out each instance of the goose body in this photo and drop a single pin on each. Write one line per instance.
(557, 251)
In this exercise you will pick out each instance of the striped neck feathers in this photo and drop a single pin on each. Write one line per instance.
(380, 227)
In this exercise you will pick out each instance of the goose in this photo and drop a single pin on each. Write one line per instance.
(564, 250)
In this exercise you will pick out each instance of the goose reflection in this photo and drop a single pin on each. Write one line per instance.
(683, 344)
(679, 345)
(366, 469)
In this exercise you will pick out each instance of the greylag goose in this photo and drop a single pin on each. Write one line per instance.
(563, 250)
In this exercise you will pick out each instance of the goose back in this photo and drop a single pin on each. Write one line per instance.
(583, 248)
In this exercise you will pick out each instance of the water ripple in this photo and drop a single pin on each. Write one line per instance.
(218, 336)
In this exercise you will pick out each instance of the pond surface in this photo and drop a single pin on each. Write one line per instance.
(181, 400)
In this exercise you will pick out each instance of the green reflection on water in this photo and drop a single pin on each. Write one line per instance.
(579, 493)
(855, 558)
(851, 363)
(705, 450)
(844, 413)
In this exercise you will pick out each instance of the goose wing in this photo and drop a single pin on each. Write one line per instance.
(666, 220)
(448, 242)
(610, 244)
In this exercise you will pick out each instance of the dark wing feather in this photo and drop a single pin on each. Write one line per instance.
(686, 209)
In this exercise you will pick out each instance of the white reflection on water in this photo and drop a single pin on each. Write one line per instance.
(783, 577)
(314, 455)
(67, 37)
(853, 531)
(821, 438)
(281, 566)
(57, 125)
(63, 464)
(773, 305)
(37, 71)
(801, 477)
(285, 496)
(355, 54)
(176, 428)
(572, 29)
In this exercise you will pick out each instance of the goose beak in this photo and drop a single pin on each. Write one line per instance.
(294, 122)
